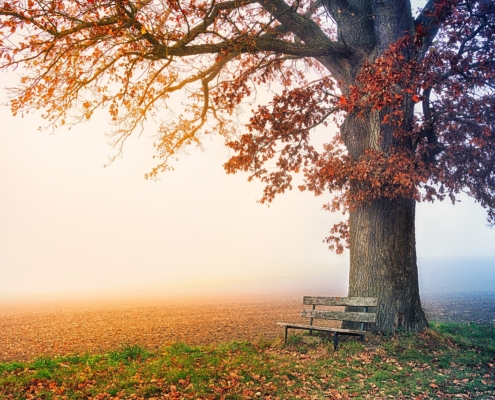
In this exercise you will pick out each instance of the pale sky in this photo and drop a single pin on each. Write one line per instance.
(69, 225)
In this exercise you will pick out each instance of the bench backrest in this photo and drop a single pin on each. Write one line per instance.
(363, 317)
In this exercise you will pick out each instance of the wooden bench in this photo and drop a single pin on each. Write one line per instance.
(363, 317)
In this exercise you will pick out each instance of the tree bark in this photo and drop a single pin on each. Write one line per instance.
(382, 237)
(383, 262)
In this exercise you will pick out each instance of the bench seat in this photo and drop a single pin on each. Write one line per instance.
(322, 328)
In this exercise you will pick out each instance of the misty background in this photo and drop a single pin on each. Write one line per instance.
(69, 226)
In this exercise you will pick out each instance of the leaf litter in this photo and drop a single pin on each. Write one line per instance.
(412, 367)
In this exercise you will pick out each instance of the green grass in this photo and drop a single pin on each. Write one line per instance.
(443, 362)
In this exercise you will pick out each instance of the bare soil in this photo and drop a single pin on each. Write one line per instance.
(468, 306)
(27, 331)
(59, 328)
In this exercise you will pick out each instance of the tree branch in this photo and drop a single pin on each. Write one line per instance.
(338, 57)
(428, 24)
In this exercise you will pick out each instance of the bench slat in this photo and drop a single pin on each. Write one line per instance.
(339, 315)
(321, 328)
(341, 301)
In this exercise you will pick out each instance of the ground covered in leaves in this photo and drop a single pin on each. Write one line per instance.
(447, 361)
(231, 348)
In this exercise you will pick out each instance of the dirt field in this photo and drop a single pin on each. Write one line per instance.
(28, 330)
(59, 328)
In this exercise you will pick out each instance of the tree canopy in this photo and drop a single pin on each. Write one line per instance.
(130, 57)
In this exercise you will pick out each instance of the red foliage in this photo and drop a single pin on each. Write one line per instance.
(448, 148)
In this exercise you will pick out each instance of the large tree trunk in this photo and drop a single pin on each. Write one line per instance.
(383, 262)
(382, 236)
(382, 231)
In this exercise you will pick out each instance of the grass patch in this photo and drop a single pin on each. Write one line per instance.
(128, 354)
(443, 362)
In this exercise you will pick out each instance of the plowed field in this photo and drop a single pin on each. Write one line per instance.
(28, 330)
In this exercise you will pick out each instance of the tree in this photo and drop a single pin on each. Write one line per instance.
(414, 99)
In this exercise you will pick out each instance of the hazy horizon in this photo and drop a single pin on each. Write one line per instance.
(438, 276)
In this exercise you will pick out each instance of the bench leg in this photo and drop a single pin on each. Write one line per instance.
(335, 340)
(285, 337)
